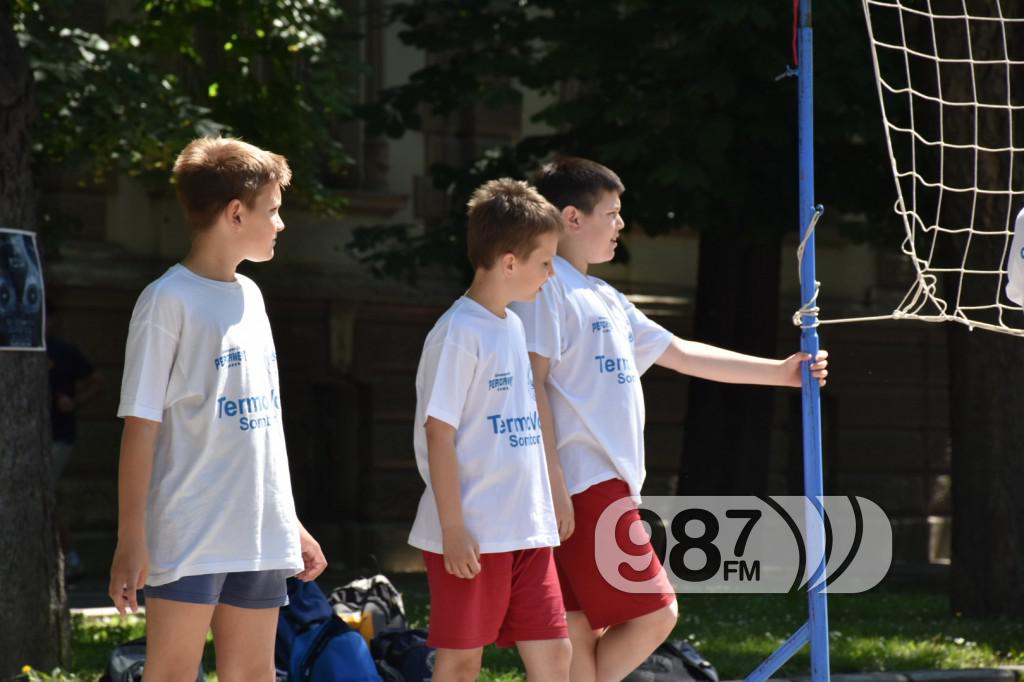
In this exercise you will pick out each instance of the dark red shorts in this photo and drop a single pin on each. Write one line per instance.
(583, 587)
(514, 598)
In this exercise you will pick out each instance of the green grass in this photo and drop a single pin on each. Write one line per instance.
(92, 639)
(870, 632)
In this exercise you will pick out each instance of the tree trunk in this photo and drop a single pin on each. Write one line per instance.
(727, 436)
(33, 611)
(986, 369)
(987, 396)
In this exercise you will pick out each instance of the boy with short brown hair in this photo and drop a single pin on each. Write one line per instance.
(206, 520)
(485, 522)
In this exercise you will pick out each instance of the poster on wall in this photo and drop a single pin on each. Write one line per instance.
(21, 292)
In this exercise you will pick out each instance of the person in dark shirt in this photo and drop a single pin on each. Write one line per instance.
(74, 381)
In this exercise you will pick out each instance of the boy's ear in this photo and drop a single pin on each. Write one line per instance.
(233, 211)
(571, 218)
(507, 263)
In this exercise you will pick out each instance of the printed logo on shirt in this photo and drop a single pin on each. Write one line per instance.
(521, 431)
(232, 357)
(502, 381)
(601, 324)
(529, 382)
(620, 368)
(253, 412)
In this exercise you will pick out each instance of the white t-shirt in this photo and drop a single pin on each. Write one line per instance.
(1015, 263)
(598, 344)
(475, 375)
(200, 359)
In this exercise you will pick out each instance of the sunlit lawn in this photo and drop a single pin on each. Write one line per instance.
(870, 632)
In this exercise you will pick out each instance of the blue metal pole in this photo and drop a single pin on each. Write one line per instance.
(815, 629)
(813, 484)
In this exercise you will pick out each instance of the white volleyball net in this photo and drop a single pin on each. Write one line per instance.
(950, 77)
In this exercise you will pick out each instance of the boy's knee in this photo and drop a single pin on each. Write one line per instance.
(458, 668)
(466, 671)
(561, 658)
(551, 662)
(665, 619)
(240, 671)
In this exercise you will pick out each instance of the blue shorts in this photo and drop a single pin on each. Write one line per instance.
(249, 590)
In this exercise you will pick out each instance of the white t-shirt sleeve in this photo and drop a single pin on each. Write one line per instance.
(1015, 263)
(450, 371)
(650, 339)
(542, 321)
(149, 357)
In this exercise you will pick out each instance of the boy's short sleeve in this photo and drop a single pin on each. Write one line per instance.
(542, 320)
(650, 339)
(149, 359)
(449, 370)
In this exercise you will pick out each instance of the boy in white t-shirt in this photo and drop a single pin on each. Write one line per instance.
(588, 347)
(485, 523)
(206, 520)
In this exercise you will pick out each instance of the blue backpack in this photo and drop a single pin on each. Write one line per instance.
(314, 645)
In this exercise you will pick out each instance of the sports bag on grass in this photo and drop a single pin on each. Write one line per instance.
(674, 661)
(370, 605)
(307, 608)
(403, 656)
(127, 661)
(314, 645)
(332, 652)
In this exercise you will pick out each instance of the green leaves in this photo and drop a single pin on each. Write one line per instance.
(127, 97)
(679, 98)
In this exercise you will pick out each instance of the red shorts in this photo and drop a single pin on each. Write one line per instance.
(514, 598)
(583, 587)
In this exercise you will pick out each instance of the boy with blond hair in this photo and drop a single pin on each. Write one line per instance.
(588, 348)
(206, 520)
(485, 523)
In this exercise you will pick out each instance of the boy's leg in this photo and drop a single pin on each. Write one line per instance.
(545, 659)
(584, 641)
(245, 624)
(535, 622)
(244, 639)
(465, 614)
(175, 636)
(458, 665)
(625, 646)
(595, 607)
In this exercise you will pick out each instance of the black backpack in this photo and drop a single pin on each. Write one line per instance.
(673, 661)
(127, 660)
(403, 656)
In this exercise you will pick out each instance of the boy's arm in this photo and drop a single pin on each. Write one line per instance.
(717, 364)
(312, 556)
(564, 514)
(461, 551)
(130, 567)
